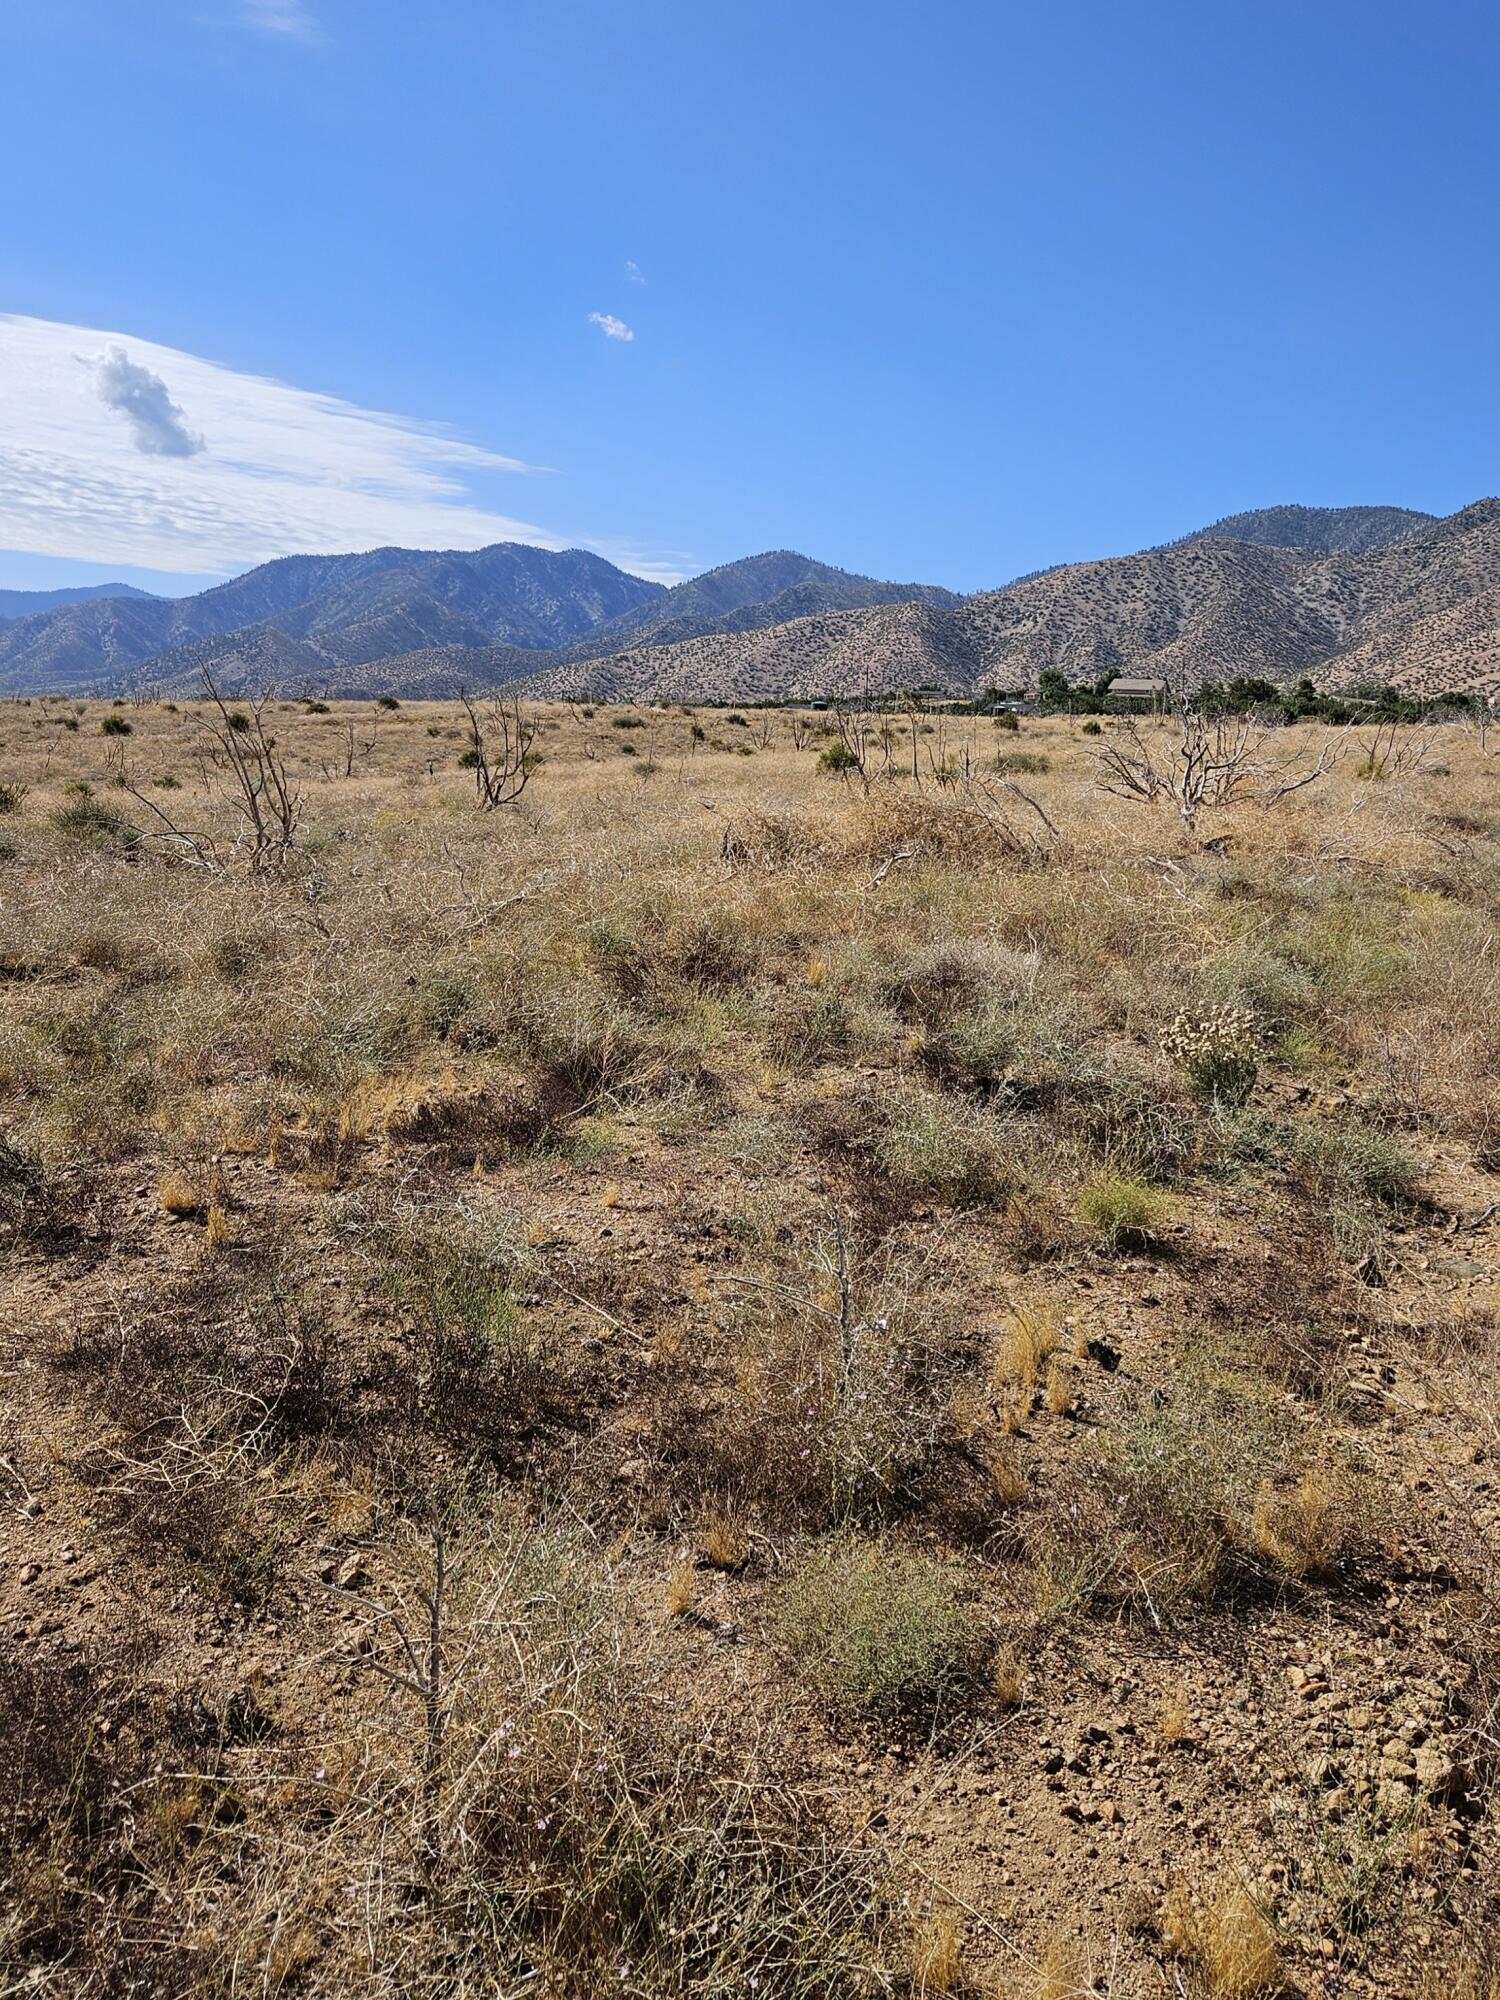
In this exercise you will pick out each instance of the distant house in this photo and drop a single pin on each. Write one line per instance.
(1138, 691)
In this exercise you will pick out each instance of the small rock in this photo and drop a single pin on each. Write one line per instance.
(1434, 1770)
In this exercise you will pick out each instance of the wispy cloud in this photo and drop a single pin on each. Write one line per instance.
(281, 17)
(610, 327)
(213, 469)
(157, 425)
(633, 272)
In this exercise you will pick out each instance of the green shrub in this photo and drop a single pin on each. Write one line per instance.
(1182, 1476)
(1116, 1209)
(1022, 763)
(827, 1416)
(11, 796)
(874, 1631)
(1343, 1160)
(814, 1027)
(948, 1151)
(1006, 719)
(621, 1845)
(970, 1001)
(85, 819)
(477, 1374)
(387, 701)
(838, 758)
(114, 725)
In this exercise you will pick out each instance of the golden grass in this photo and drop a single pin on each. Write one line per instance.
(179, 1196)
(1306, 1529)
(1022, 1348)
(1060, 1395)
(1228, 1938)
(682, 1588)
(937, 1956)
(725, 1539)
(1008, 1677)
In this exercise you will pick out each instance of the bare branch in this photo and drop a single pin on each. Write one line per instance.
(1214, 761)
(500, 740)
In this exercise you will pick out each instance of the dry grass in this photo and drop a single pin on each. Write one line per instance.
(1025, 1342)
(706, 1194)
(1228, 1939)
(937, 1955)
(179, 1196)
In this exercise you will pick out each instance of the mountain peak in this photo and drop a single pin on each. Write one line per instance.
(27, 603)
(1315, 530)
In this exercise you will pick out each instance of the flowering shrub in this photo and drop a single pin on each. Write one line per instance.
(1217, 1052)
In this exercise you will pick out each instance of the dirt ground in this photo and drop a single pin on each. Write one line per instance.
(544, 1179)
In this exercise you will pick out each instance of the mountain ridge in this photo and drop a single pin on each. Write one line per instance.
(1342, 594)
(27, 603)
(402, 622)
(509, 590)
(1316, 530)
(1424, 608)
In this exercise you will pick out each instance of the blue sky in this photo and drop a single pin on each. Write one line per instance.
(943, 292)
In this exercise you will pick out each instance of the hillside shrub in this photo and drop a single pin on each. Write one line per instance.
(874, 1631)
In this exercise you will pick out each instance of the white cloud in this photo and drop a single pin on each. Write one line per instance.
(280, 470)
(612, 328)
(280, 17)
(634, 272)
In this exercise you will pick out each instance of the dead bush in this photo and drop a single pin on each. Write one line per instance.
(819, 1402)
(473, 1372)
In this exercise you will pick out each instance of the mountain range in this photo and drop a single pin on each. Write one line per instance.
(1416, 601)
(25, 603)
(1346, 595)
